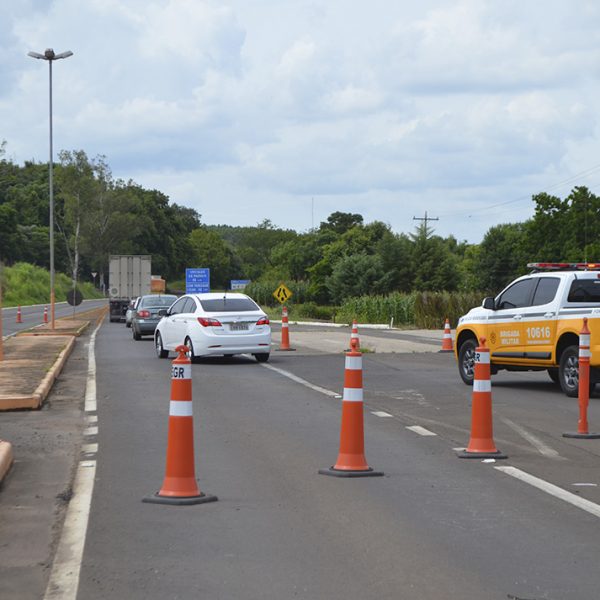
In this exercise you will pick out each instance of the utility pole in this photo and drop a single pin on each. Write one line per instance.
(426, 218)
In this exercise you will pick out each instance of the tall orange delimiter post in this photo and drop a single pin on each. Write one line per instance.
(583, 394)
(179, 485)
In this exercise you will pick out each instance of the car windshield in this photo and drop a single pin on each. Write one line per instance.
(153, 301)
(229, 305)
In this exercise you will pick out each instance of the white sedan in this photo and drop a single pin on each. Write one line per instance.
(214, 324)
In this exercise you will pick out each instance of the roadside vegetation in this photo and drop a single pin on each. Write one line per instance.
(24, 284)
(341, 270)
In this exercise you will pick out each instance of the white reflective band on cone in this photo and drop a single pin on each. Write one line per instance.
(484, 385)
(182, 371)
(353, 395)
(482, 357)
(284, 324)
(353, 363)
(585, 353)
(180, 408)
(584, 339)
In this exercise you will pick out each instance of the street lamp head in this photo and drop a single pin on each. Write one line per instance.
(50, 55)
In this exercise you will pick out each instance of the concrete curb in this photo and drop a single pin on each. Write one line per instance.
(45, 386)
(6, 458)
(36, 399)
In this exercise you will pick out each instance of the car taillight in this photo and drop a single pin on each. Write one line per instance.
(263, 321)
(208, 322)
(144, 314)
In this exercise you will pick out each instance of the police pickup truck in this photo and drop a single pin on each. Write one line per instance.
(534, 324)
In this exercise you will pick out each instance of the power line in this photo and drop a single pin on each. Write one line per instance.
(570, 179)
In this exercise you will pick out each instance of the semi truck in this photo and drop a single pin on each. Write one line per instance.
(129, 276)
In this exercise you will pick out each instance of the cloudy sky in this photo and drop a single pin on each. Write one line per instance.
(293, 109)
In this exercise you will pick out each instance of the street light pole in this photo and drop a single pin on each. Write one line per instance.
(50, 56)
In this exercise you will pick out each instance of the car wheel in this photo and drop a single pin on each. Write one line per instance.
(553, 374)
(261, 358)
(190, 353)
(127, 324)
(136, 336)
(466, 361)
(158, 346)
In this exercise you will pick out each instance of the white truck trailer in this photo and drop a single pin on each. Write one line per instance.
(129, 276)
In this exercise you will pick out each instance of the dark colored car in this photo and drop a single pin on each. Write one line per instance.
(146, 317)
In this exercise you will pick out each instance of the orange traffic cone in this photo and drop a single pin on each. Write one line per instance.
(285, 332)
(447, 339)
(481, 444)
(19, 320)
(45, 314)
(584, 385)
(354, 339)
(351, 461)
(179, 485)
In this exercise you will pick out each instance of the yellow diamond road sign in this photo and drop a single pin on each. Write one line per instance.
(282, 293)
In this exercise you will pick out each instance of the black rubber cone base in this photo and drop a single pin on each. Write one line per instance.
(465, 454)
(285, 349)
(340, 473)
(582, 436)
(179, 500)
(443, 351)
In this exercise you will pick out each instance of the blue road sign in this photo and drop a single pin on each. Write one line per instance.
(197, 281)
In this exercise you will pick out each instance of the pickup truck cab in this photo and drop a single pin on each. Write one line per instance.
(534, 324)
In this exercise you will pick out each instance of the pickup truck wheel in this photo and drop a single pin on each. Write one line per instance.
(466, 361)
(568, 371)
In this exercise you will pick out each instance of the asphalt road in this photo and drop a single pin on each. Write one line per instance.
(434, 527)
(34, 315)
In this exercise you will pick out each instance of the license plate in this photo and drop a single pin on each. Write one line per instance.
(238, 327)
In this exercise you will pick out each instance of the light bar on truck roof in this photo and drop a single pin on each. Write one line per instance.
(550, 266)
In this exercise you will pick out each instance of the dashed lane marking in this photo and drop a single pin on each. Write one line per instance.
(420, 430)
(380, 413)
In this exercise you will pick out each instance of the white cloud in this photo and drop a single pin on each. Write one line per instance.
(375, 108)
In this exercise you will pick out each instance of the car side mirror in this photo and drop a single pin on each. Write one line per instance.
(163, 312)
(489, 303)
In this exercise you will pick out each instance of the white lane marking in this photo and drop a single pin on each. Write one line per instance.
(90, 448)
(90, 387)
(552, 489)
(303, 382)
(92, 419)
(540, 446)
(380, 413)
(64, 577)
(90, 431)
(420, 430)
(585, 484)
